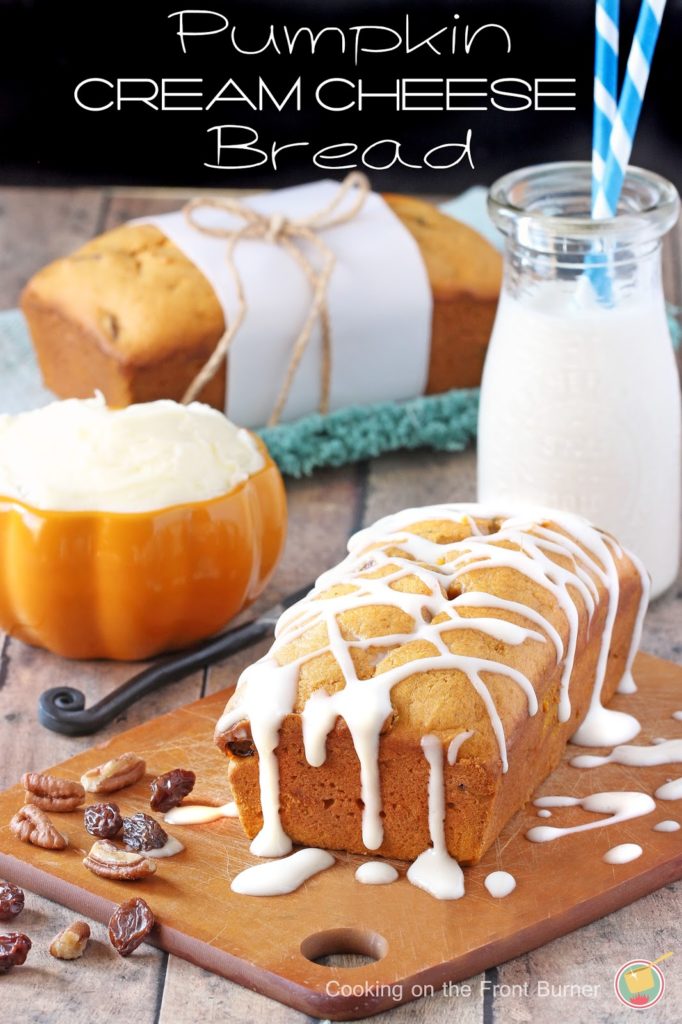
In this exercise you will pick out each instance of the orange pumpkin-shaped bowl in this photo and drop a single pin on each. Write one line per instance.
(127, 586)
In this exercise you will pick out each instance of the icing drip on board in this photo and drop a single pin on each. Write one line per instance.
(169, 848)
(671, 790)
(266, 691)
(278, 877)
(623, 854)
(666, 752)
(555, 801)
(500, 884)
(667, 826)
(621, 806)
(200, 814)
(435, 870)
(376, 872)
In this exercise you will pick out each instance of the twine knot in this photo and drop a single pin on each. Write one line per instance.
(277, 225)
(277, 229)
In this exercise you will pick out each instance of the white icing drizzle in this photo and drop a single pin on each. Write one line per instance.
(169, 848)
(199, 814)
(499, 884)
(556, 801)
(659, 739)
(376, 872)
(605, 727)
(472, 599)
(621, 806)
(623, 854)
(435, 870)
(667, 752)
(277, 877)
(667, 826)
(677, 715)
(670, 790)
(627, 683)
(544, 813)
(455, 744)
(266, 691)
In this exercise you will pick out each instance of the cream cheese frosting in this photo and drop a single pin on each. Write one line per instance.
(79, 455)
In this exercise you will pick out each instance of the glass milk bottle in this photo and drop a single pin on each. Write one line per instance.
(580, 400)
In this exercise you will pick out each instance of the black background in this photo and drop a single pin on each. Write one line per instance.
(48, 46)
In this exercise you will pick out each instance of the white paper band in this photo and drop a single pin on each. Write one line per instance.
(379, 299)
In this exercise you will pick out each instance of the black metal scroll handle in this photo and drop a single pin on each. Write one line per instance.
(62, 708)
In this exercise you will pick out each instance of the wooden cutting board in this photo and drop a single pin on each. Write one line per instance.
(415, 941)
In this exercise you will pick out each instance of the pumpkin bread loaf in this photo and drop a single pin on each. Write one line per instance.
(128, 313)
(505, 688)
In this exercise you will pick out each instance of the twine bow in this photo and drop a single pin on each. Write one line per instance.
(289, 234)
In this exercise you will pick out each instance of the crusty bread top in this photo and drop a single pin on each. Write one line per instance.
(457, 258)
(442, 700)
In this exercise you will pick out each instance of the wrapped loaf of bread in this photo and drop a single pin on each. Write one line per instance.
(131, 315)
(419, 694)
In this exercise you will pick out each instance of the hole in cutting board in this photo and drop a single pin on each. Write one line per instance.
(344, 947)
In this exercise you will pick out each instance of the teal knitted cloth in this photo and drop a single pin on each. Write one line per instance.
(445, 422)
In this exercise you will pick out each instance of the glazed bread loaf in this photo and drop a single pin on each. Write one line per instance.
(130, 315)
(487, 640)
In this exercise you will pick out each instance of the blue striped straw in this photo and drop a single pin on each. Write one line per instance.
(605, 85)
(629, 107)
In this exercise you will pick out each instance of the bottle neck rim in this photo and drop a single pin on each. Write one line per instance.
(546, 208)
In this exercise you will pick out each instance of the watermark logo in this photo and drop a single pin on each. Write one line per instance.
(640, 983)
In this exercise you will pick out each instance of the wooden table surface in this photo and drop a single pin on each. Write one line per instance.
(149, 987)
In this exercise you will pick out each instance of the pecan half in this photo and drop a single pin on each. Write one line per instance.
(118, 773)
(32, 825)
(71, 943)
(109, 861)
(50, 793)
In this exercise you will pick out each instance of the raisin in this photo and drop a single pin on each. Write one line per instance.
(14, 947)
(140, 832)
(11, 900)
(130, 924)
(102, 820)
(241, 748)
(171, 788)
(238, 740)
